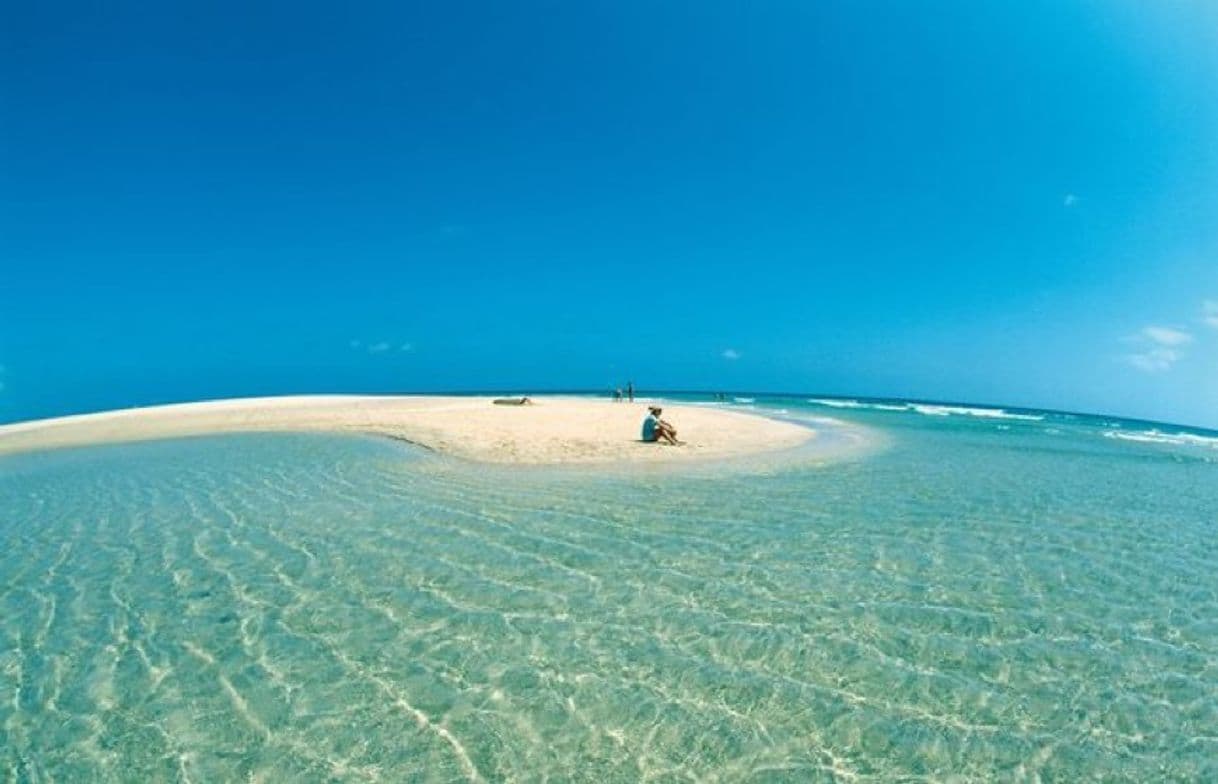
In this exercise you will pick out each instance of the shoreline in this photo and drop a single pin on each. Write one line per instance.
(552, 431)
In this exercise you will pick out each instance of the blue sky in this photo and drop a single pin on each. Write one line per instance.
(1008, 203)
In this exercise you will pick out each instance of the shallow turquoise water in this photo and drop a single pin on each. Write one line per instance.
(987, 598)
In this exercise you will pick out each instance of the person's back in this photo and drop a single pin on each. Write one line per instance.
(649, 426)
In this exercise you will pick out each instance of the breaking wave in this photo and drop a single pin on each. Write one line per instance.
(1159, 437)
(927, 409)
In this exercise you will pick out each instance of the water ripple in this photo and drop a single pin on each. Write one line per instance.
(305, 607)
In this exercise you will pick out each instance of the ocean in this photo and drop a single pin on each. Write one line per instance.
(979, 594)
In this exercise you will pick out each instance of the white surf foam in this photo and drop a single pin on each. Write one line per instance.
(1159, 437)
(858, 404)
(988, 413)
(926, 409)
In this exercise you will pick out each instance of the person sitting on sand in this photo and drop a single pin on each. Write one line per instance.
(656, 429)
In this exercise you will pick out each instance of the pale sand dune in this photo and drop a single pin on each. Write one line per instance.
(552, 431)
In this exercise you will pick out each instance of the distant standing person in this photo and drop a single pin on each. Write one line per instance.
(617, 395)
(630, 390)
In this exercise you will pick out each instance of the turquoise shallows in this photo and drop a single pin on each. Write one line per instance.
(989, 595)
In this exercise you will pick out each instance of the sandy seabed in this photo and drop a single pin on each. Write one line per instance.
(550, 431)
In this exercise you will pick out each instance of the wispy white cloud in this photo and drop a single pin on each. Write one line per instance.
(379, 346)
(1209, 313)
(1166, 336)
(1070, 200)
(1159, 348)
(731, 353)
(1154, 360)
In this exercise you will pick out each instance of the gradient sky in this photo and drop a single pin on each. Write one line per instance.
(1014, 203)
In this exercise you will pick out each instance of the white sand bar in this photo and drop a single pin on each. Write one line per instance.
(550, 431)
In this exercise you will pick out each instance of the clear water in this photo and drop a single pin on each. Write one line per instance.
(983, 598)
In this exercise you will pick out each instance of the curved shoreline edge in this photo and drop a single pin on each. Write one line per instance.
(554, 431)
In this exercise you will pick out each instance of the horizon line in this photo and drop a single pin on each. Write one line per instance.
(638, 392)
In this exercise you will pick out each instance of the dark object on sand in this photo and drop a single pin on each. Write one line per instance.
(513, 401)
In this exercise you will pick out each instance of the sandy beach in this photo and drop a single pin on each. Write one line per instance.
(550, 431)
